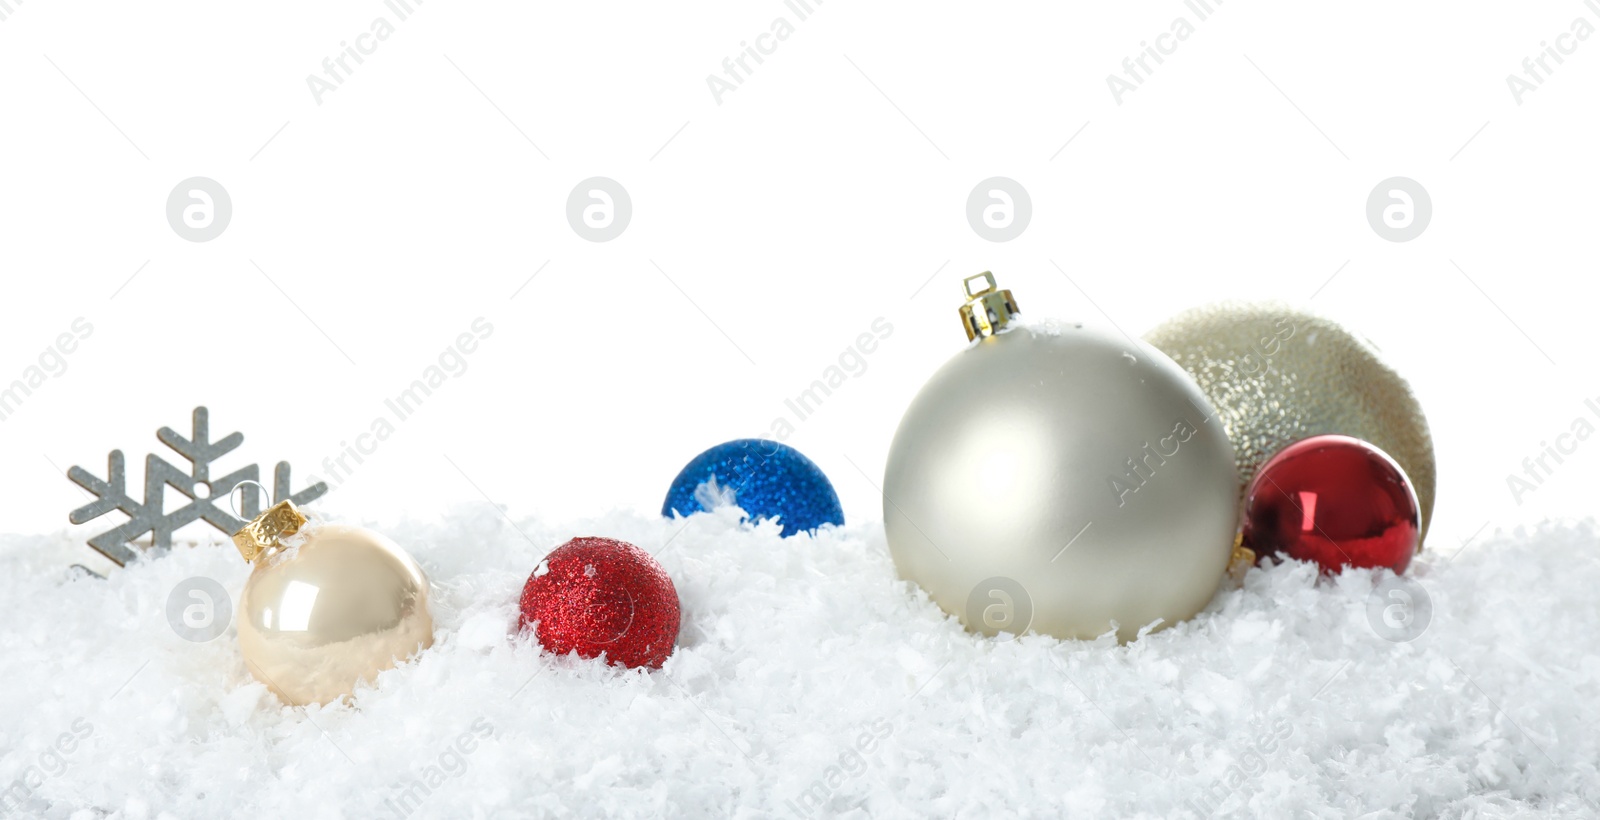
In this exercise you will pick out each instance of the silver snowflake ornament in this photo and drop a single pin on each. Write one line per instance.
(202, 490)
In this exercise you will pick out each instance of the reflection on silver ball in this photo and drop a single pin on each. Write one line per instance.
(1061, 479)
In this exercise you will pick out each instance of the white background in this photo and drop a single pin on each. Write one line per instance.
(370, 230)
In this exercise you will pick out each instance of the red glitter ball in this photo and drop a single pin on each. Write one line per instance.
(1335, 500)
(599, 595)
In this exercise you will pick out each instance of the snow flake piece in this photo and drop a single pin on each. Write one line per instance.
(202, 491)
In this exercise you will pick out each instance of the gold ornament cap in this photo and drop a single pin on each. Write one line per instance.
(266, 533)
(987, 311)
(1241, 561)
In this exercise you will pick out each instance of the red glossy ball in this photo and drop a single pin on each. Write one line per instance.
(599, 595)
(1335, 500)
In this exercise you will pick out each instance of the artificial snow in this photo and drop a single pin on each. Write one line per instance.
(811, 681)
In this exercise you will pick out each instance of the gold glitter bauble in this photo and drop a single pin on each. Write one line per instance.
(1277, 375)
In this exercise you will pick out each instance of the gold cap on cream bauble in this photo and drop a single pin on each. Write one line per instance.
(327, 606)
(1061, 479)
(1278, 374)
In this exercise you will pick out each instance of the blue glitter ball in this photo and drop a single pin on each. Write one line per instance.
(762, 477)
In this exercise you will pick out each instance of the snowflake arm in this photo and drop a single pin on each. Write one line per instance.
(201, 451)
(111, 494)
(203, 493)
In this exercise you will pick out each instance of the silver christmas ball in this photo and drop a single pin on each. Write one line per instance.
(1060, 479)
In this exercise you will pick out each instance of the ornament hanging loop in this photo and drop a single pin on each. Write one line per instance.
(987, 310)
(266, 494)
